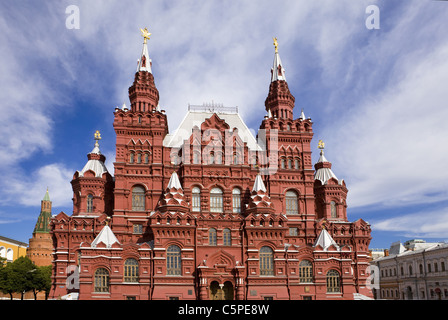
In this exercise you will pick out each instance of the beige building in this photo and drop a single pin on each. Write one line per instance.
(415, 270)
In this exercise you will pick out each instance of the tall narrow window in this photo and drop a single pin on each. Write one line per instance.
(89, 203)
(289, 163)
(291, 202)
(305, 271)
(266, 261)
(138, 198)
(173, 262)
(196, 199)
(296, 163)
(131, 270)
(333, 281)
(146, 158)
(282, 163)
(212, 237)
(227, 237)
(236, 200)
(235, 158)
(131, 157)
(333, 209)
(216, 204)
(101, 280)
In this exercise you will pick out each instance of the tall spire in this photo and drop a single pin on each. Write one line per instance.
(143, 93)
(96, 160)
(43, 221)
(145, 62)
(277, 71)
(280, 101)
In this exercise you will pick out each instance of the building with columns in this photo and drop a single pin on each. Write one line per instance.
(208, 211)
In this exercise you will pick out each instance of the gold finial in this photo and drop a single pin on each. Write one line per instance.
(275, 45)
(97, 135)
(145, 34)
(321, 145)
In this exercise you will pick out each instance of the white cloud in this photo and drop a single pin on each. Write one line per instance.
(424, 224)
(390, 146)
(28, 189)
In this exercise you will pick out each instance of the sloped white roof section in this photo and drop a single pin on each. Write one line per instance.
(144, 64)
(325, 240)
(324, 174)
(95, 165)
(196, 118)
(174, 182)
(278, 72)
(259, 184)
(106, 236)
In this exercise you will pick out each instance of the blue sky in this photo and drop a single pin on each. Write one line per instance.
(378, 98)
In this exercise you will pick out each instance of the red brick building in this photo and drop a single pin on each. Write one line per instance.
(209, 211)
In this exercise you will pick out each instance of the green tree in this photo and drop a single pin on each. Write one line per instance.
(42, 281)
(17, 276)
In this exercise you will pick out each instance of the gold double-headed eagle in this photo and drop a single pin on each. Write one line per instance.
(145, 34)
(275, 45)
(321, 145)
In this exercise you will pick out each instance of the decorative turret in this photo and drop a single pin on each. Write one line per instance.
(143, 93)
(280, 101)
(43, 221)
(93, 185)
(173, 198)
(259, 202)
(331, 193)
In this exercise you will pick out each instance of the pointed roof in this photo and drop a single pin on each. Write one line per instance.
(302, 115)
(174, 182)
(259, 184)
(277, 71)
(144, 63)
(96, 160)
(106, 236)
(325, 240)
(46, 196)
(323, 167)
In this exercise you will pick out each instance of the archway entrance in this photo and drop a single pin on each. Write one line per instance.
(221, 291)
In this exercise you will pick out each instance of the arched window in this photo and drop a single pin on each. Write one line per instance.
(139, 157)
(289, 163)
(227, 237)
(296, 163)
(305, 271)
(9, 254)
(236, 200)
(131, 270)
(291, 202)
(131, 157)
(235, 158)
(2, 252)
(212, 158)
(173, 262)
(89, 203)
(146, 158)
(138, 198)
(333, 209)
(333, 281)
(212, 236)
(282, 163)
(216, 204)
(196, 157)
(101, 280)
(266, 261)
(196, 199)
